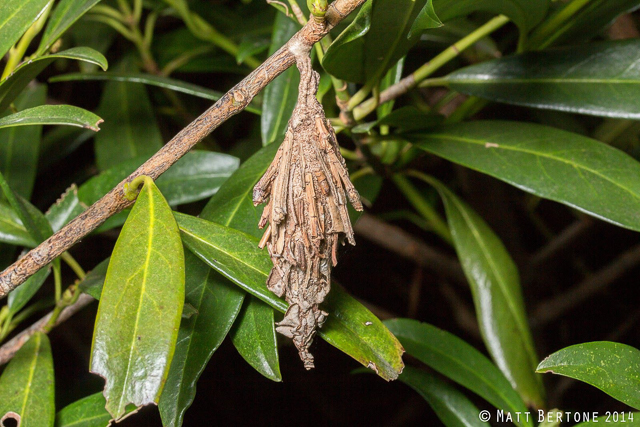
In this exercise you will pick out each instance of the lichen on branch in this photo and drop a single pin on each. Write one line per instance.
(306, 189)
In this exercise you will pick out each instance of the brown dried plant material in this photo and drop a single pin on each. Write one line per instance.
(306, 189)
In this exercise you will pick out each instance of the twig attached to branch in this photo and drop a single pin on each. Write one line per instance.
(230, 104)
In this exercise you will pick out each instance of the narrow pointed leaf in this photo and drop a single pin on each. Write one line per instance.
(13, 85)
(150, 80)
(63, 16)
(600, 79)
(281, 95)
(52, 115)
(392, 77)
(612, 367)
(254, 335)
(451, 406)
(20, 147)
(572, 169)
(381, 34)
(86, 412)
(459, 361)
(218, 303)
(495, 285)
(350, 326)
(27, 385)
(140, 306)
(15, 18)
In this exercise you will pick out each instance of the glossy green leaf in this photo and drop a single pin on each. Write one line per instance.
(526, 14)
(625, 419)
(19, 147)
(140, 306)
(196, 176)
(282, 93)
(66, 208)
(495, 285)
(381, 34)
(27, 385)
(12, 230)
(580, 172)
(15, 18)
(63, 16)
(218, 303)
(459, 361)
(612, 367)
(232, 205)
(593, 19)
(52, 115)
(350, 326)
(93, 282)
(254, 335)
(86, 412)
(451, 406)
(30, 217)
(600, 79)
(150, 80)
(13, 85)
(21, 295)
(130, 129)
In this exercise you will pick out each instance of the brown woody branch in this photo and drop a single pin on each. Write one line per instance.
(233, 102)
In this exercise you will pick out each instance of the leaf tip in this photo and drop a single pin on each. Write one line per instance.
(95, 127)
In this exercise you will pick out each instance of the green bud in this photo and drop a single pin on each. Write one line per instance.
(318, 8)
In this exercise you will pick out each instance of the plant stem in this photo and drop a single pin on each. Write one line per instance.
(543, 36)
(57, 281)
(437, 224)
(407, 83)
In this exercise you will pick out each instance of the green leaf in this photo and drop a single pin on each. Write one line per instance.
(93, 282)
(233, 205)
(130, 129)
(282, 93)
(454, 358)
(254, 336)
(19, 147)
(196, 176)
(562, 166)
(15, 19)
(86, 412)
(381, 34)
(580, 172)
(63, 16)
(526, 14)
(27, 385)
(140, 306)
(12, 231)
(150, 80)
(350, 326)
(495, 285)
(451, 406)
(626, 419)
(600, 79)
(612, 367)
(13, 85)
(392, 77)
(21, 295)
(52, 115)
(218, 303)
(64, 209)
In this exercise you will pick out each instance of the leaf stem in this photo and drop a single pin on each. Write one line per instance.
(437, 224)
(57, 281)
(73, 264)
(544, 34)
(409, 82)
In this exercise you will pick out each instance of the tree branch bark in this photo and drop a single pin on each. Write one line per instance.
(233, 102)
